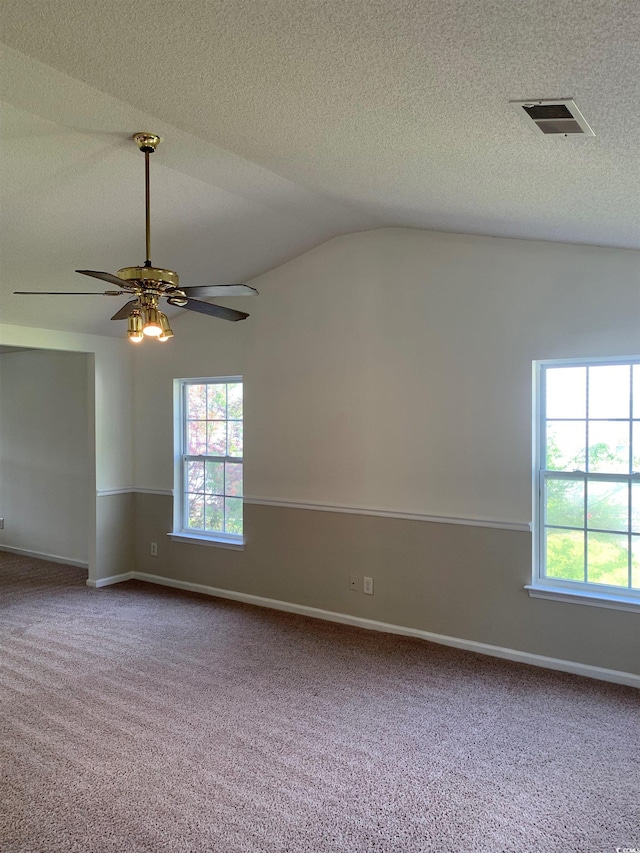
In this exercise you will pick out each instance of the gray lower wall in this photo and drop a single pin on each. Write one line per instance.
(464, 582)
(115, 541)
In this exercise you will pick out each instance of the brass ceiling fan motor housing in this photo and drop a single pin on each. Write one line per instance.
(151, 276)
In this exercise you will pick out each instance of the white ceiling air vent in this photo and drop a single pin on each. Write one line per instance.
(553, 117)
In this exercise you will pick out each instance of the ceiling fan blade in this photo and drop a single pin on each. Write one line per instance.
(213, 310)
(106, 276)
(221, 290)
(70, 293)
(124, 312)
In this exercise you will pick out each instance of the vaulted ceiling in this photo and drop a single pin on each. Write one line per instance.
(287, 122)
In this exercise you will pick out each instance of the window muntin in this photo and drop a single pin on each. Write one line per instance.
(588, 513)
(212, 463)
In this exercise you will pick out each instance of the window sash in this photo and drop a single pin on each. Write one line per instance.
(544, 476)
(186, 457)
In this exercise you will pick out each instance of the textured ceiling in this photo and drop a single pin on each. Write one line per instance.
(287, 122)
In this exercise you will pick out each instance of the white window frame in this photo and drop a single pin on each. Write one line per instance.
(181, 532)
(584, 592)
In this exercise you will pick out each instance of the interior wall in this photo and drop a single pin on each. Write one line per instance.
(392, 371)
(456, 581)
(108, 435)
(44, 453)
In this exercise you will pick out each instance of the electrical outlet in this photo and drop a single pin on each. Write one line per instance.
(154, 549)
(353, 582)
(1, 523)
(368, 586)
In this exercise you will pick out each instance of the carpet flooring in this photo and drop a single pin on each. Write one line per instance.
(136, 718)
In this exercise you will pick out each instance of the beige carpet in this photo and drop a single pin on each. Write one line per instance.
(135, 718)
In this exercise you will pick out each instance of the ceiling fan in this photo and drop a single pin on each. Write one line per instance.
(148, 284)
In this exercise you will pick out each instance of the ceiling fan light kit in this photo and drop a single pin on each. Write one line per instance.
(148, 284)
(134, 331)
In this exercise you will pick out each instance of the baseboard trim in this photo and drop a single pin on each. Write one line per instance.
(125, 576)
(39, 555)
(615, 676)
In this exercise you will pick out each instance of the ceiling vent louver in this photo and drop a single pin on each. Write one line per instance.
(559, 117)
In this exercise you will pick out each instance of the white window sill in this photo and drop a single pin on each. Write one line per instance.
(578, 596)
(213, 541)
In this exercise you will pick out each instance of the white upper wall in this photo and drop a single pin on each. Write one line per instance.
(392, 369)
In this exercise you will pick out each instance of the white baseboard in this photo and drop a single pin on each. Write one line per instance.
(39, 555)
(125, 576)
(612, 675)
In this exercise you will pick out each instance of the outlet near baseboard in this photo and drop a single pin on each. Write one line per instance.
(368, 586)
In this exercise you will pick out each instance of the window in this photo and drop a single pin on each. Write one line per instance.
(209, 461)
(587, 526)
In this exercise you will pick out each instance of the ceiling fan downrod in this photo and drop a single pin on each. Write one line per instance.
(147, 278)
(147, 143)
